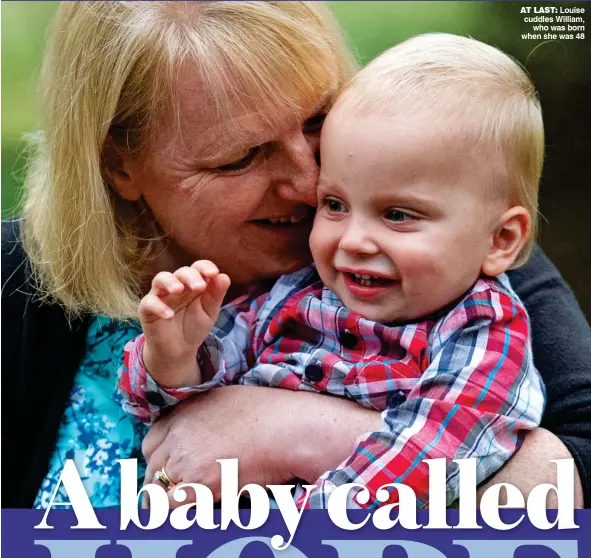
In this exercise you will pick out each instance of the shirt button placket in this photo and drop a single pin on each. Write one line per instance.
(396, 398)
(313, 372)
(348, 340)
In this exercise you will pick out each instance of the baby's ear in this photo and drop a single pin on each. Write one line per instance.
(118, 171)
(509, 237)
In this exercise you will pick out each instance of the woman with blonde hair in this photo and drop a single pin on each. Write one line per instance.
(176, 131)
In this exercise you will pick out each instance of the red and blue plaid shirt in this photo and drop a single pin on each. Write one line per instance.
(458, 385)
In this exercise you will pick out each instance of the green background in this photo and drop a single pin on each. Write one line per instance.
(560, 69)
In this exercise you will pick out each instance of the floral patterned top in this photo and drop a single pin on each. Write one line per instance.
(95, 431)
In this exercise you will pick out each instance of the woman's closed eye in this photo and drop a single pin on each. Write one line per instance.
(243, 163)
(314, 124)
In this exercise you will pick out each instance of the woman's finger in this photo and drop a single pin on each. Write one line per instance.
(155, 437)
(158, 460)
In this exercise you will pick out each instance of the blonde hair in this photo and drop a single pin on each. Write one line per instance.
(109, 71)
(484, 89)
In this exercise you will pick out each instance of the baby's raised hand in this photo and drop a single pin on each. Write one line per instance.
(176, 316)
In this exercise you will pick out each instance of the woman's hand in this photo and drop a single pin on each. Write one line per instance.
(531, 466)
(276, 434)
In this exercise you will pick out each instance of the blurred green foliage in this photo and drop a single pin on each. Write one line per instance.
(24, 26)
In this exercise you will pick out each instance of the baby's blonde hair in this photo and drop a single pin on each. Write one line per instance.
(488, 92)
(109, 71)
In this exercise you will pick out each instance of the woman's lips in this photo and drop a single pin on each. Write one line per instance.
(292, 219)
(291, 216)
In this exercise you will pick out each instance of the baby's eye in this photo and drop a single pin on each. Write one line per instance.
(241, 164)
(397, 216)
(335, 206)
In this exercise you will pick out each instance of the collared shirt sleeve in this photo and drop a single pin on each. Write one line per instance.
(477, 397)
(223, 357)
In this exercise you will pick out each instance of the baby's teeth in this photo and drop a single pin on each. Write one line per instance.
(363, 279)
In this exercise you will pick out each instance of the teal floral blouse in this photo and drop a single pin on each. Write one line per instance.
(95, 431)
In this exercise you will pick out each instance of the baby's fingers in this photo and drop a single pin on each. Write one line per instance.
(192, 279)
(213, 297)
(152, 308)
(206, 268)
(166, 283)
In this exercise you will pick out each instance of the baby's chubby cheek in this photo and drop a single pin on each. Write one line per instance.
(418, 261)
(320, 244)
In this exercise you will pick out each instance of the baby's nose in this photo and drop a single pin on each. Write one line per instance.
(357, 239)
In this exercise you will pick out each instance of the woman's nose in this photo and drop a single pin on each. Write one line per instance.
(357, 239)
(297, 172)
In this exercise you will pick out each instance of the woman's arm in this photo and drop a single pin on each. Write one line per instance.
(276, 434)
(561, 340)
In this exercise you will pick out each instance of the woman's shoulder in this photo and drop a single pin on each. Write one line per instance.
(538, 272)
(15, 264)
(21, 303)
(11, 238)
(548, 299)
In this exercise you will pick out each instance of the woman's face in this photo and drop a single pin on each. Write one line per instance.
(239, 193)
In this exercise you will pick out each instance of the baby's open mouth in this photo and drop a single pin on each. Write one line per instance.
(366, 280)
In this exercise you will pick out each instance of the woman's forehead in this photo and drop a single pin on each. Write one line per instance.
(215, 137)
(204, 124)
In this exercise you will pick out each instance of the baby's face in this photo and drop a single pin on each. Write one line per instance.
(405, 216)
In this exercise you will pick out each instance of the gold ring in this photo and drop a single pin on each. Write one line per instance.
(162, 478)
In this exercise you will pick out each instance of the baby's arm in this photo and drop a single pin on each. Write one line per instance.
(220, 359)
(176, 316)
(477, 397)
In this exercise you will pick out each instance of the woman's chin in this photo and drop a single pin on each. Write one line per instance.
(270, 266)
(277, 235)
